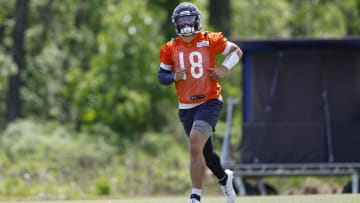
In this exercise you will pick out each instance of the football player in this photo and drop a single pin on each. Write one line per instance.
(189, 62)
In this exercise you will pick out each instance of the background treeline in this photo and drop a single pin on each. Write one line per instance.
(81, 111)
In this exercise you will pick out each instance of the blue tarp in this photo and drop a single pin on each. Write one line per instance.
(286, 106)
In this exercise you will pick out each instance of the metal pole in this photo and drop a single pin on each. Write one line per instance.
(239, 183)
(327, 118)
(226, 143)
(274, 82)
(355, 182)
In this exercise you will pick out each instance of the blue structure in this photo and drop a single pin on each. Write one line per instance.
(301, 110)
(251, 47)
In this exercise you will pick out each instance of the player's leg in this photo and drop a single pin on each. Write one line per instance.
(209, 113)
(213, 161)
(225, 177)
(196, 145)
(197, 163)
(200, 133)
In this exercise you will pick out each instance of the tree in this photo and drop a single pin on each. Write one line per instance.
(321, 18)
(61, 37)
(168, 6)
(120, 87)
(220, 16)
(18, 53)
(261, 19)
(351, 11)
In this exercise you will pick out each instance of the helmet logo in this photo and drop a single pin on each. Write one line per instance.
(185, 13)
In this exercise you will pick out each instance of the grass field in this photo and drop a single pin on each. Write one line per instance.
(338, 198)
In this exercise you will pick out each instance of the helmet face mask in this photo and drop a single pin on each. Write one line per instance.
(186, 24)
(186, 18)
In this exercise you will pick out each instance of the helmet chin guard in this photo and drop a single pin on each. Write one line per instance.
(186, 17)
(187, 31)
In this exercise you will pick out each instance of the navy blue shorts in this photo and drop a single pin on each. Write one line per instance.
(208, 112)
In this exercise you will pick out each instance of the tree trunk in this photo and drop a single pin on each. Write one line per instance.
(168, 24)
(220, 16)
(13, 104)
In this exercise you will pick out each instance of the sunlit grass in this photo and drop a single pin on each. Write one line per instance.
(338, 198)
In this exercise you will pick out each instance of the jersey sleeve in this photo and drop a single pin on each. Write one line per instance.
(165, 54)
(218, 42)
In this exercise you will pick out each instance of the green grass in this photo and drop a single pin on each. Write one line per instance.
(338, 198)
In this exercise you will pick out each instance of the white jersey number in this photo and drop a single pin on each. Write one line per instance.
(195, 59)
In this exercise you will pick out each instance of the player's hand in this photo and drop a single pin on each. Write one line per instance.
(179, 75)
(219, 73)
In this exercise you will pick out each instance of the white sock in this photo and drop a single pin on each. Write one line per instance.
(196, 191)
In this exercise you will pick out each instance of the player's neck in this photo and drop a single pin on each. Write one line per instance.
(188, 39)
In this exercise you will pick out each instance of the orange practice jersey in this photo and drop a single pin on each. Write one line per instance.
(198, 59)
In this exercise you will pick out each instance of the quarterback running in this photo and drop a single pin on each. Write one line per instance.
(188, 61)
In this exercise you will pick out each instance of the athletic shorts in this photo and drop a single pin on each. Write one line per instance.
(208, 111)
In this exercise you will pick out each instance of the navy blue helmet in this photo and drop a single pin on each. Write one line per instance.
(186, 17)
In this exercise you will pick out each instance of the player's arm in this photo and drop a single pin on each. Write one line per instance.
(233, 55)
(165, 75)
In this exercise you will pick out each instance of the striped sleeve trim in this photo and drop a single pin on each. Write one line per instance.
(166, 67)
(227, 48)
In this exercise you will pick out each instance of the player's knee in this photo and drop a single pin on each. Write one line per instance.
(195, 147)
(196, 143)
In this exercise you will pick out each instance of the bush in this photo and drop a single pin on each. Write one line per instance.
(45, 154)
(102, 186)
(50, 160)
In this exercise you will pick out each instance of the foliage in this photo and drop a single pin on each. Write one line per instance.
(149, 160)
(96, 61)
(49, 159)
(120, 87)
(260, 19)
(311, 20)
(8, 68)
(102, 186)
(41, 154)
(292, 18)
(96, 119)
(57, 36)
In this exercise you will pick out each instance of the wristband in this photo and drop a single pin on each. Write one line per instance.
(231, 60)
